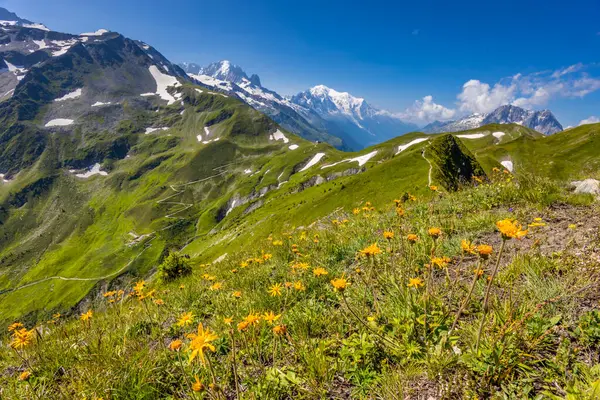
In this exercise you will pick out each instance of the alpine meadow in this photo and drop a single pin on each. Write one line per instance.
(176, 231)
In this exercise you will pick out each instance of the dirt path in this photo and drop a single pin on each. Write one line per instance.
(430, 165)
(62, 278)
(185, 206)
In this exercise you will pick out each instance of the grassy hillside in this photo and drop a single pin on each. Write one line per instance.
(64, 239)
(350, 307)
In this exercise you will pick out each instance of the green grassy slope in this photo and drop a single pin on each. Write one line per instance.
(174, 192)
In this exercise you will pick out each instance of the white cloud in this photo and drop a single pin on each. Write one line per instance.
(568, 70)
(479, 97)
(528, 91)
(591, 120)
(426, 111)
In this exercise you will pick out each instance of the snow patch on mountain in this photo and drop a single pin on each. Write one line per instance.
(472, 136)
(403, 147)
(101, 104)
(313, 161)
(212, 82)
(41, 44)
(59, 122)
(150, 130)
(70, 96)
(94, 170)
(99, 32)
(361, 160)
(278, 135)
(163, 82)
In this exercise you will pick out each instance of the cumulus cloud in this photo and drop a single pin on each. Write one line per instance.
(479, 97)
(528, 91)
(425, 111)
(590, 120)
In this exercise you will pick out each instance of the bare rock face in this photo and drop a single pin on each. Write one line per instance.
(589, 186)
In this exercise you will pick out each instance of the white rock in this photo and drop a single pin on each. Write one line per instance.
(508, 165)
(590, 186)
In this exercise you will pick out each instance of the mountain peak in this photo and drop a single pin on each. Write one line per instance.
(226, 71)
(10, 18)
(542, 121)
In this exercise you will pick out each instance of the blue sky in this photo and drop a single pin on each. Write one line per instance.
(394, 54)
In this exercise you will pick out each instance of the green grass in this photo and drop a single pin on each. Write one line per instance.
(379, 339)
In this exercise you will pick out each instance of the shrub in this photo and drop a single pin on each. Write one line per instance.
(174, 266)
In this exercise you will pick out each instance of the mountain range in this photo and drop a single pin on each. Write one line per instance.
(111, 156)
(542, 121)
(321, 113)
(325, 114)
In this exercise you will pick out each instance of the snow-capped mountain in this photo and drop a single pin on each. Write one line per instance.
(232, 79)
(8, 18)
(93, 86)
(541, 121)
(351, 116)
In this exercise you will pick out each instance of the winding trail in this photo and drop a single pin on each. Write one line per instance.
(430, 165)
(184, 206)
(62, 278)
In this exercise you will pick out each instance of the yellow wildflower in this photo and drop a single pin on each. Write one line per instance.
(15, 326)
(279, 330)
(484, 250)
(299, 286)
(467, 247)
(185, 319)
(510, 229)
(340, 284)
(388, 235)
(197, 386)
(175, 345)
(86, 316)
(319, 271)
(228, 320)
(22, 338)
(415, 282)
(371, 251)
(216, 286)
(201, 341)
(252, 319)
(242, 326)
(23, 376)
(270, 317)
(412, 238)
(434, 232)
(237, 294)
(275, 290)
